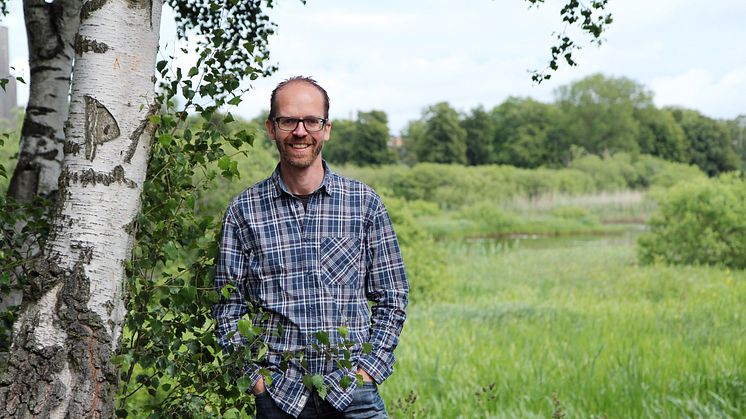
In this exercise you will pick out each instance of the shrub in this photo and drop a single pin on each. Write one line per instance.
(429, 279)
(573, 212)
(702, 222)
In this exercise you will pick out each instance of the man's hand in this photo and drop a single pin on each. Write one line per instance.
(259, 387)
(366, 377)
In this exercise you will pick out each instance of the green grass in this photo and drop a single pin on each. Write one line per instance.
(584, 323)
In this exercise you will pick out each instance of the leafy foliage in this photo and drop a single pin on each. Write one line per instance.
(480, 131)
(234, 37)
(170, 362)
(363, 141)
(592, 19)
(709, 142)
(442, 139)
(600, 112)
(701, 222)
(527, 133)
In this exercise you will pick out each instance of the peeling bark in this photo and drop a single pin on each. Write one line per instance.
(71, 320)
(100, 126)
(41, 378)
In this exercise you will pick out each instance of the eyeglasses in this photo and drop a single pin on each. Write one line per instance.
(312, 124)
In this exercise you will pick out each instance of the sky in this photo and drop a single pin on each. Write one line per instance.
(403, 56)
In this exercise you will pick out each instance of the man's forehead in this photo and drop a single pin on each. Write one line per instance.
(299, 87)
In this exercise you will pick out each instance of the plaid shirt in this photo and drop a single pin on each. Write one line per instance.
(312, 270)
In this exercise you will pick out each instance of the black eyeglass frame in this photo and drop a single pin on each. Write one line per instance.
(276, 120)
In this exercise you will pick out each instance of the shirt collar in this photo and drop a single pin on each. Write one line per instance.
(327, 184)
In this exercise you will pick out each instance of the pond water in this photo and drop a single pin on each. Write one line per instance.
(627, 235)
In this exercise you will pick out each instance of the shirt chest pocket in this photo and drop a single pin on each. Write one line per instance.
(339, 258)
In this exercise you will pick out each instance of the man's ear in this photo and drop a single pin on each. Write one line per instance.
(270, 126)
(327, 130)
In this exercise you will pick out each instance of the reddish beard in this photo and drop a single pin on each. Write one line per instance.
(288, 155)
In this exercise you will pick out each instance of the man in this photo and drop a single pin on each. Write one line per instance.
(310, 249)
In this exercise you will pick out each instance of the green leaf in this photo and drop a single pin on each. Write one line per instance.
(243, 384)
(318, 381)
(262, 352)
(322, 337)
(308, 381)
(165, 139)
(245, 329)
(345, 382)
(224, 163)
(266, 375)
(343, 331)
(367, 348)
(227, 290)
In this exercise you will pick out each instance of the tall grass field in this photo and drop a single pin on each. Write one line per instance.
(576, 330)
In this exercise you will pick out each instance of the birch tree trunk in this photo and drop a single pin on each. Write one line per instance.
(71, 321)
(50, 30)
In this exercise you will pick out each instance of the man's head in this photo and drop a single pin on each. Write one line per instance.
(298, 122)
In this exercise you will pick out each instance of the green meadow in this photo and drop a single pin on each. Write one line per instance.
(529, 299)
(574, 328)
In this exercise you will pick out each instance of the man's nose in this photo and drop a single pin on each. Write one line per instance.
(300, 129)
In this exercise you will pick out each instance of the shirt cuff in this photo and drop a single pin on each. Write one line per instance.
(379, 369)
(252, 370)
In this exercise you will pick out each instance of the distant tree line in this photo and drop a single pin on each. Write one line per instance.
(597, 115)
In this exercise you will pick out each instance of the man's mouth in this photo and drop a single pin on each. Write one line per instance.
(301, 146)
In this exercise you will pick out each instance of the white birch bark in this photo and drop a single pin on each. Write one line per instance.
(70, 325)
(50, 30)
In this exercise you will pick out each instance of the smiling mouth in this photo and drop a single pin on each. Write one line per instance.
(299, 146)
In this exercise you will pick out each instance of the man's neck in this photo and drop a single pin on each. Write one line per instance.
(302, 181)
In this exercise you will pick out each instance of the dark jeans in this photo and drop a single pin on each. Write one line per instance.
(366, 404)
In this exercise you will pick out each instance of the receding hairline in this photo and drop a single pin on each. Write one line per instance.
(292, 80)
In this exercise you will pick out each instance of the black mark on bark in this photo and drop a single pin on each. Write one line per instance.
(42, 68)
(39, 110)
(100, 126)
(83, 44)
(145, 127)
(92, 177)
(24, 184)
(41, 279)
(32, 128)
(49, 155)
(71, 148)
(90, 7)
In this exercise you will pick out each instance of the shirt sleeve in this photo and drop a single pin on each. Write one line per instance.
(230, 275)
(387, 287)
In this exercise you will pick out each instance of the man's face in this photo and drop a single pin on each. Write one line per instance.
(299, 148)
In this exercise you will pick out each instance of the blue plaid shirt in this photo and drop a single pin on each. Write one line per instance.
(312, 270)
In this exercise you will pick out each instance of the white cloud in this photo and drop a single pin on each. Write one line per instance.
(719, 96)
(403, 56)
